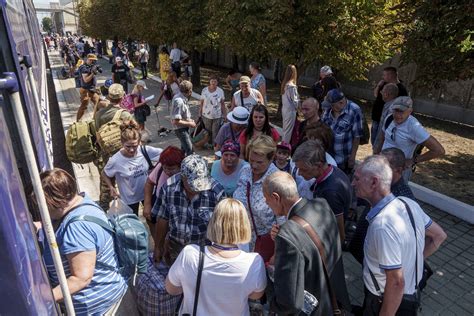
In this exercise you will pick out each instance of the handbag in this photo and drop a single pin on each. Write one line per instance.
(410, 302)
(264, 244)
(319, 245)
(198, 281)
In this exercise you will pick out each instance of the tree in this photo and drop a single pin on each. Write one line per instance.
(47, 24)
(439, 40)
(349, 35)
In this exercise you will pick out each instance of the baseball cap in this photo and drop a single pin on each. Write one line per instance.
(326, 70)
(142, 83)
(231, 146)
(118, 58)
(335, 95)
(239, 115)
(91, 56)
(116, 91)
(108, 83)
(402, 103)
(284, 145)
(244, 79)
(194, 168)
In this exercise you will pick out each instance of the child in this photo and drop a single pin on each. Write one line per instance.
(282, 159)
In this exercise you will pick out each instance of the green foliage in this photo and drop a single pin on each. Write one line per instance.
(47, 24)
(439, 40)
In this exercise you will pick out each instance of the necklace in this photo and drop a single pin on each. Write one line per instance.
(223, 247)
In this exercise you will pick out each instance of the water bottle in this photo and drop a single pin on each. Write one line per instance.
(310, 303)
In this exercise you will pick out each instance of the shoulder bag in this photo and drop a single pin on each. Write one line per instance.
(319, 245)
(198, 281)
(264, 244)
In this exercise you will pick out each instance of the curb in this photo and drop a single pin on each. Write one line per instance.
(443, 202)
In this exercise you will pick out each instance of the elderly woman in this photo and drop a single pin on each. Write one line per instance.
(261, 152)
(230, 277)
(226, 170)
(86, 249)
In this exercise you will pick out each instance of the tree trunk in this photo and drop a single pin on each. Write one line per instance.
(153, 57)
(196, 63)
(105, 49)
(235, 62)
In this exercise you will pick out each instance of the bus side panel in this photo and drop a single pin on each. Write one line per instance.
(25, 287)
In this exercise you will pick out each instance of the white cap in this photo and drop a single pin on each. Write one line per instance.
(142, 83)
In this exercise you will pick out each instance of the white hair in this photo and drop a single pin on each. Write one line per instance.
(378, 167)
(281, 183)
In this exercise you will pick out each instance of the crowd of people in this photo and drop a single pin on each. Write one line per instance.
(264, 227)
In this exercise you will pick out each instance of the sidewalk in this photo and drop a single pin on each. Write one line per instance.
(450, 290)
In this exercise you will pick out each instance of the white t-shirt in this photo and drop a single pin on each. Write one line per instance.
(143, 55)
(211, 108)
(226, 283)
(131, 173)
(249, 102)
(389, 244)
(405, 136)
(175, 55)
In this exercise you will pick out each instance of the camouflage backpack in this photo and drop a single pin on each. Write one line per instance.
(108, 135)
(80, 142)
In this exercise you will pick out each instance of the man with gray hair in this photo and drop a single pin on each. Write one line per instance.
(181, 116)
(298, 264)
(331, 183)
(392, 269)
(389, 93)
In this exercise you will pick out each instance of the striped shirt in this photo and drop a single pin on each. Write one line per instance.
(107, 285)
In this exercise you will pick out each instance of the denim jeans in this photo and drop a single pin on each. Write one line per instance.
(144, 70)
(185, 139)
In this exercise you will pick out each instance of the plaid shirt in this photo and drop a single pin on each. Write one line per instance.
(187, 220)
(345, 128)
(152, 298)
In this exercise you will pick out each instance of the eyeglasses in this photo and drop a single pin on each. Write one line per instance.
(392, 136)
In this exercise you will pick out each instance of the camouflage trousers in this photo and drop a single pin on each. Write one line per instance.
(104, 198)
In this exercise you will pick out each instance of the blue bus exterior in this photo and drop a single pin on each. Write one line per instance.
(25, 286)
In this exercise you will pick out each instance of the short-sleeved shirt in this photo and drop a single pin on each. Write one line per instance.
(228, 181)
(107, 285)
(227, 133)
(187, 219)
(180, 109)
(154, 174)
(379, 102)
(389, 243)
(346, 127)
(249, 102)
(257, 81)
(143, 55)
(405, 136)
(86, 69)
(336, 189)
(120, 72)
(105, 115)
(131, 173)
(175, 55)
(211, 108)
(243, 137)
(226, 283)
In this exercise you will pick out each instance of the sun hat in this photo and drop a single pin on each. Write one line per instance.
(239, 115)
(402, 103)
(142, 84)
(244, 79)
(335, 95)
(194, 168)
(91, 56)
(116, 91)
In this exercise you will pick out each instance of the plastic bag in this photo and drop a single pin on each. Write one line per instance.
(118, 207)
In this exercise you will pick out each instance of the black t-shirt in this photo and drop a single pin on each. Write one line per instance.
(120, 72)
(86, 69)
(337, 191)
(377, 108)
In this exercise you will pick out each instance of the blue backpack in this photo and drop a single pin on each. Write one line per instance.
(130, 240)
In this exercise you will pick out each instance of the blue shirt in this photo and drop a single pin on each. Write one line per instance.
(229, 182)
(107, 285)
(346, 127)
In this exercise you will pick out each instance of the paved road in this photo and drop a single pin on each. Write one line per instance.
(449, 292)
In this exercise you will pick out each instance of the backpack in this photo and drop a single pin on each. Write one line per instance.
(80, 142)
(130, 240)
(108, 135)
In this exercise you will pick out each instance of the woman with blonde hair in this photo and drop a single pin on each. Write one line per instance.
(290, 99)
(129, 166)
(261, 152)
(230, 276)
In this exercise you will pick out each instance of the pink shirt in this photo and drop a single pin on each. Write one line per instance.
(243, 137)
(162, 180)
